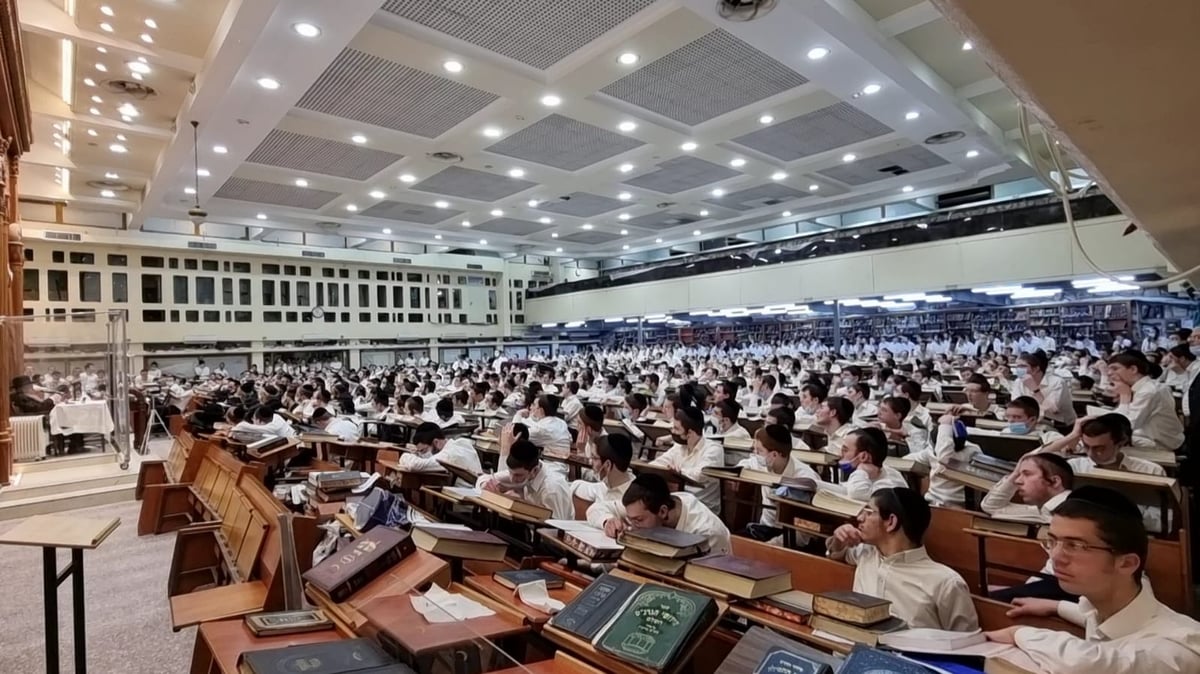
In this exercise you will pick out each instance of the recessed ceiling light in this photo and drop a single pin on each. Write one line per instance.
(496, 212)
(305, 29)
(849, 157)
(126, 118)
(516, 173)
(106, 27)
(778, 175)
(558, 250)
(151, 23)
(466, 223)
(438, 237)
(203, 173)
(452, 66)
(911, 115)
(189, 190)
(737, 163)
(102, 50)
(625, 247)
(261, 216)
(387, 230)
(624, 232)
(301, 182)
(814, 187)
(220, 149)
(704, 214)
(717, 192)
(766, 119)
(967, 46)
(377, 194)
(906, 188)
(587, 225)
(554, 235)
(695, 232)
(623, 216)
(112, 176)
(97, 99)
(147, 38)
(483, 242)
(624, 196)
(108, 193)
(817, 53)
(94, 111)
(658, 241)
(89, 81)
(688, 146)
(971, 154)
(627, 58)
(136, 76)
(787, 214)
(550, 100)
(142, 59)
(351, 207)
(532, 203)
(101, 67)
(871, 89)
(627, 126)
(268, 83)
(492, 132)
(106, 10)
(625, 168)
(358, 139)
(407, 178)
(545, 221)
(441, 204)
(128, 109)
(118, 148)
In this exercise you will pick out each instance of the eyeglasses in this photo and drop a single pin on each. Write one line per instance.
(1070, 546)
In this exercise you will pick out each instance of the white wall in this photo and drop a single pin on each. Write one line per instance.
(1037, 254)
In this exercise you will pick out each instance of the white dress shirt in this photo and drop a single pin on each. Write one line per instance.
(1151, 412)
(859, 486)
(1152, 516)
(457, 452)
(924, 593)
(595, 491)
(998, 503)
(570, 409)
(346, 430)
(547, 489)
(864, 413)
(793, 468)
(943, 491)
(1056, 405)
(1142, 638)
(691, 463)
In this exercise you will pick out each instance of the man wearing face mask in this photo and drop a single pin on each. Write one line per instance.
(649, 503)
(1022, 417)
(861, 464)
(528, 479)
(692, 453)
(851, 375)
(772, 454)
(434, 450)
(811, 396)
(634, 408)
(1149, 406)
(1052, 393)
(610, 464)
(725, 424)
(865, 410)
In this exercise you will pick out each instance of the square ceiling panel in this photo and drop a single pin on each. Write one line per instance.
(768, 194)
(591, 238)
(705, 78)
(511, 226)
(457, 181)
(369, 89)
(581, 205)
(538, 33)
(286, 149)
(564, 143)
(882, 9)
(662, 219)
(400, 210)
(262, 192)
(818, 131)
(880, 167)
(681, 174)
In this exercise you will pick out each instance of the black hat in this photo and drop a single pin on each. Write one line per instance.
(21, 381)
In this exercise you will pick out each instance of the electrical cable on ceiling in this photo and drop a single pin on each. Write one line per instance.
(1062, 188)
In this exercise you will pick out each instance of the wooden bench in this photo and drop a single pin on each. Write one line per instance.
(171, 506)
(171, 470)
(233, 567)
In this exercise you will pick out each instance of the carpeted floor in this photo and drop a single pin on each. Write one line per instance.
(128, 622)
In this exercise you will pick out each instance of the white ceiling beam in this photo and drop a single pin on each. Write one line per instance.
(105, 123)
(907, 19)
(976, 89)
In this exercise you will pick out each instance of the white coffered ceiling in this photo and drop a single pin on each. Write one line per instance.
(558, 145)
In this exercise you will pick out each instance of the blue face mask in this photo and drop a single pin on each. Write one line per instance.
(846, 467)
(1018, 428)
(1019, 372)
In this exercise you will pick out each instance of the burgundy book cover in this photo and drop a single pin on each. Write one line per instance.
(741, 566)
(345, 571)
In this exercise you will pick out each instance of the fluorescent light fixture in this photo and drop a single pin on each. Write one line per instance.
(627, 126)
(625, 247)
(483, 242)
(624, 196)
(695, 232)
(870, 303)
(377, 194)
(1031, 293)
(1111, 288)
(545, 221)
(516, 173)
(996, 290)
(358, 139)
(407, 178)
(261, 216)
(852, 302)
(814, 187)
(778, 175)
(573, 324)
(189, 190)
(817, 53)
(452, 66)
(704, 214)
(624, 232)
(441, 204)
(718, 192)
(632, 320)
(438, 237)
(624, 216)
(849, 157)
(305, 29)
(549, 325)
(138, 67)
(352, 208)
(971, 154)
(906, 189)
(786, 214)
(1092, 282)
(203, 173)
(268, 83)
(89, 81)
(492, 132)
(967, 46)
(147, 38)
(587, 225)
(112, 176)
(101, 67)
(625, 168)
(117, 148)
(220, 149)
(301, 182)
(106, 27)
(67, 84)
(653, 316)
(737, 162)
(108, 194)
(871, 89)
(614, 320)
(658, 241)
(532, 203)
(558, 250)
(911, 115)
(938, 298)
(387, 230)
(766, 119)
(466, 223)
(107, 11)
(128, 109)
(627, 58)
(688, 146)
(551, 101)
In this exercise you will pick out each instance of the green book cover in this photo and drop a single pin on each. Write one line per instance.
(656, 624)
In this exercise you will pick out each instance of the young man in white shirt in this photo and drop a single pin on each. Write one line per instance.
(833, 419)
(861, 463)
(346, 430)
(201, 370)
(528, 479)
(772, 454)
(865, 409)
(1052, 393)
(692, 453)
(610, 466)
(895, 422)
(1098, 547)
(891, 563)
(267, 422)
(951, 444)
(726, 428)
(1150, 406)
(649, 503)
(979, 399)
(434, 450)
(571, 405)
(547, 430)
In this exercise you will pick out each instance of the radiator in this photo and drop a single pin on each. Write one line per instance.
(29, 438)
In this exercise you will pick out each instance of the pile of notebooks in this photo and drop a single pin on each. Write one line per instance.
(853, 616)
(344, 656)
(661, 549)
(644, 624)
(325, 487)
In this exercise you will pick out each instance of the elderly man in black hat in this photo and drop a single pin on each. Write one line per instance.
(25, 398)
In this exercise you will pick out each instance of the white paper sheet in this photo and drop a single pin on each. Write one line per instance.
(536, 594)
(439, 606)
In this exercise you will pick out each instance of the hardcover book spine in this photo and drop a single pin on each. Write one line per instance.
(367, 574)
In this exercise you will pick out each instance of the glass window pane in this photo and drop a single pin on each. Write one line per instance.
(89, 286)
(414, 298)
(334, 298)
(180, 286)
(83, 258)
(190, 263)
(456, 298)
(33, 288)
(398, 297)
(151, 288)
(227, 291)
(364, 295)
(244, 293)
(57, 285)
(268, 293)
(302, 293)
(206, 292)
(381, 297)
(209, 265)
(120, 287)
(285, 293)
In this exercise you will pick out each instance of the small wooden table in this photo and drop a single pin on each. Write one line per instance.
(51, 532)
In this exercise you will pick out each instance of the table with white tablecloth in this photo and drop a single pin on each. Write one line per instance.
(78, 418)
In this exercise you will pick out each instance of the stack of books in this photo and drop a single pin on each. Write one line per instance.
(661, 550)
(738, 576)
(325, 487)
(854, 616)
(794, 606)
(592, 544)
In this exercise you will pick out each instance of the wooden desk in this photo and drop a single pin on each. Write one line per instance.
(415, 572)
(487, 586)
(219, 644)
(51, 532)
(563, 663)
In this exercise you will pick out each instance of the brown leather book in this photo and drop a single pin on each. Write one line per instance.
(738, 576)
(665, 542)
(460, 543)
(644, 561)
(515, 505)
(345, 571)
(852, 607)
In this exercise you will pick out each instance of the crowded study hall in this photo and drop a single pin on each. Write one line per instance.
(597, 336)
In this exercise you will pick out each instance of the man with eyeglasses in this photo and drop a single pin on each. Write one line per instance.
(1098, 547)
(891, 563)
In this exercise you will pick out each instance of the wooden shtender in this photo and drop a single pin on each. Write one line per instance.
(60, 531)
